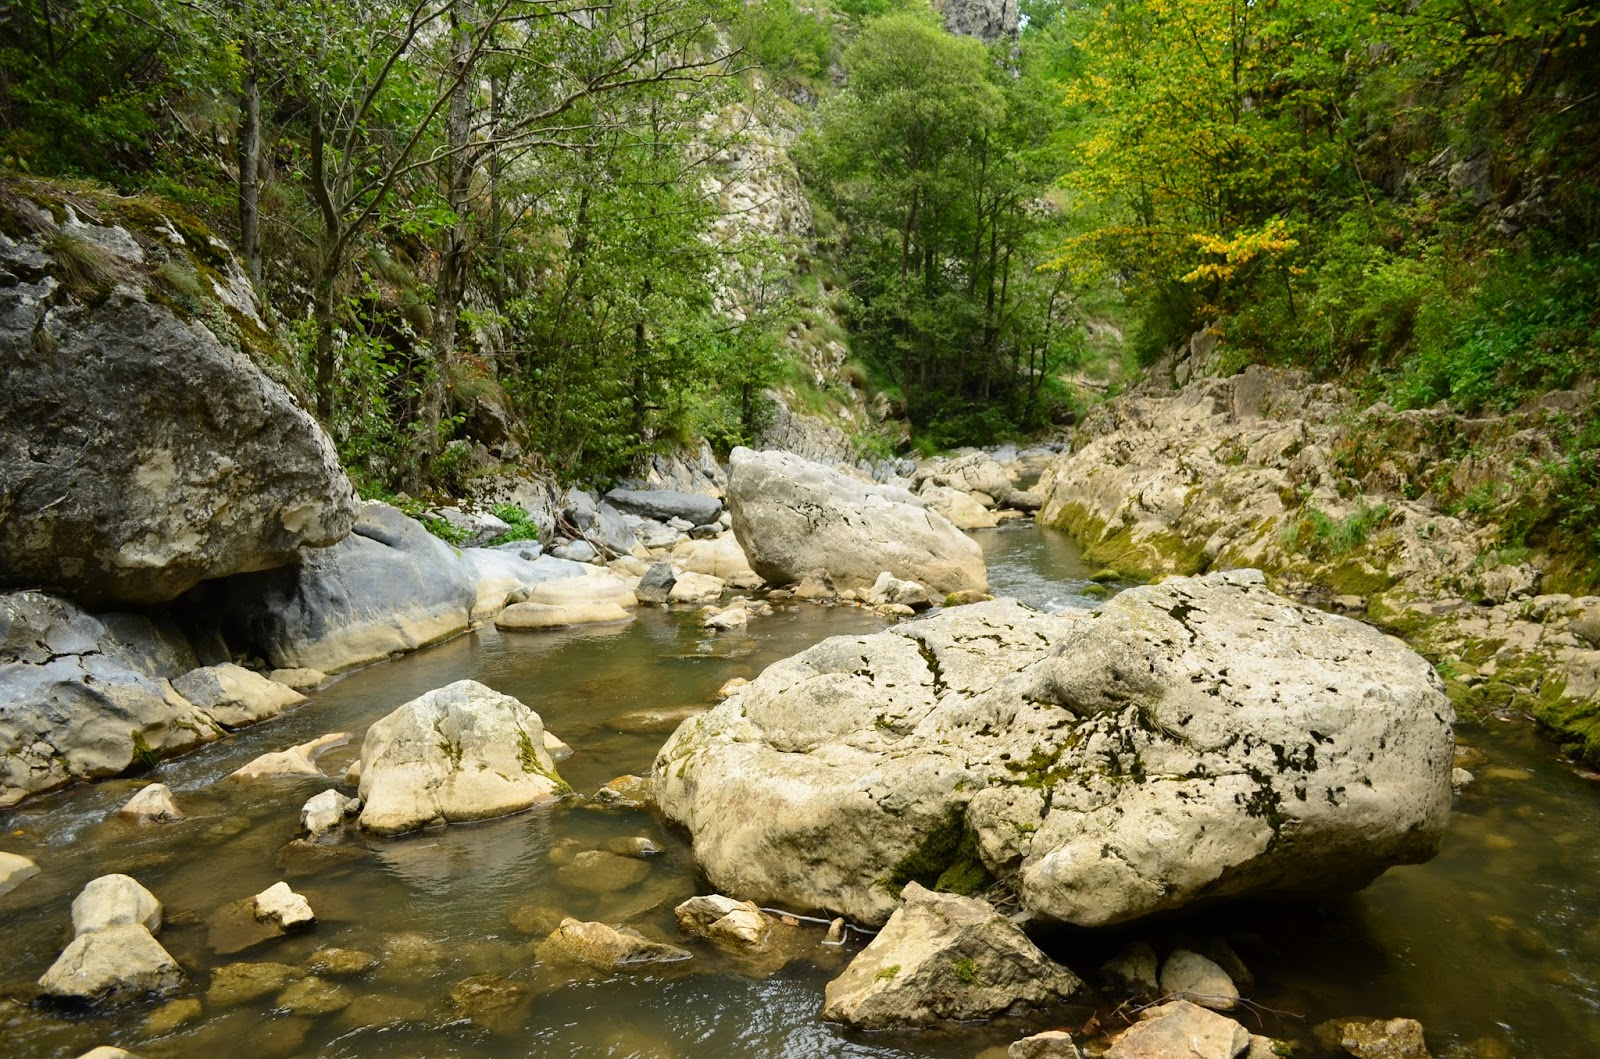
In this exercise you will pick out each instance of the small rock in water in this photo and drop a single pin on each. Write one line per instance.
(731, 686)
(1374, 1038)
(600, 872)
(536, 920)
(272, 913)
(943, 957)
(114, 901)
(633, 846)
(296, 761)
(1052, 1044)
(654, 721)
(722, 919)
(492, 1001)
(1180, 1028)
(152, 805)
(816, 585)
(607, 948)
(15, 869)
(313, 996)
(1460, 779)
(298, 679)
(1190, 976)
(624, 792)
(727, 620)
(340, 963)
(240, 983)
(1133, 969)
(558, 750)
(656, 584)
(170, 1016)
(836, 932)
(560, 615)
(326, 811)
(106, 1051)
(280, 905)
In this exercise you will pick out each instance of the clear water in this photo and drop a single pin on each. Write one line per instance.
(1494, 945)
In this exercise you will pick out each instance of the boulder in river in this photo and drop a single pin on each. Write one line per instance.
(326, 812)
(142, 450)
(721, 557)
(272, 913)
(1052, 1044)
(607, 948)
(655, 585)
(724, 920)
(114, 901)
(461, 752)
(792, 516)
(152, 805)
(15, 869)
(944, 957)
(115, 964)
(1366, 1038)
(1196, 739)
(1190, 976)
(77, 703)
(533, 616)
(1180, 1028)
(300, 760)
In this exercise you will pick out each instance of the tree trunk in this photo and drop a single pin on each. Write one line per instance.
(458, 167)
(322, 315)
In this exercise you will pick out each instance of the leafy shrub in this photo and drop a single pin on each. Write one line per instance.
(786, 41)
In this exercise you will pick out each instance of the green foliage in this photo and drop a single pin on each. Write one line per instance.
(784, 40)
(522, 527)
(1320, 536)
(965, 971)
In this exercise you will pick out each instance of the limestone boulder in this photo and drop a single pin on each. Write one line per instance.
(601, 586)
(121, 963)
(720, 557)
(723, 920)
(15, 870)
(1196, 739)
(76, 703)
(389, 586)
(960, 508)
(325, 812)
(559, 616)
(152, 805)
(234, 696)
(944, 957)
(298, 760)
(1052, 1044)
(1190, 976)
(502, 576)
(792, 516)
(114, 901)
(142, 450)
(461, 752)
(1181, 1028)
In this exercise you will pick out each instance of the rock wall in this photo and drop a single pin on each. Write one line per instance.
(1346, 506)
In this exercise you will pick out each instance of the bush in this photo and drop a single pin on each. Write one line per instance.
(788, 42)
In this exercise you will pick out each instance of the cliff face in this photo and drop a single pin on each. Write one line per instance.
(988, 20)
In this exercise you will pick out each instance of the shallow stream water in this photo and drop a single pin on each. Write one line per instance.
(1494, 946)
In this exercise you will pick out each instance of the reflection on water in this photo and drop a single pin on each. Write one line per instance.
(1493, 945)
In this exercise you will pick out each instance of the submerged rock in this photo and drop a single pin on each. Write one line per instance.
(492, 1001)
(461, 752)
(240, 983)
(313, 996)
(607, 948)
(792, 516)
(272, 913)
(300, 760)
(340, 963)
(172, 1015)
(15, 869)
(1195, 739)
(146, 451)
(1374, 1038)
(943, 957)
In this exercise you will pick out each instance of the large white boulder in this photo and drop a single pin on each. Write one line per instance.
(721, 557)
(461, 752)
(792, 516)
(1195, 739)
(114, 901)
(118, 963)
(944, 957)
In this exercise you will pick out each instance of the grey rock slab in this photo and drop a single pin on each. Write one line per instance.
(390, 586)
(656, 584)
(792, 516)
(461, 752)
(943, 957)
(661, 505)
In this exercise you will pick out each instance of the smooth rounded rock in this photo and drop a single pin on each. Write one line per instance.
(114, 901)
(1189, 976)
(152, 805)
(117, 963)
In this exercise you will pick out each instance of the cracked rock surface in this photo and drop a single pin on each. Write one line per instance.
(1195, 739)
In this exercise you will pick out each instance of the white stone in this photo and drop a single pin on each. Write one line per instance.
(15, 869)
(1181, 1029)
(114, 901)
(153, 804)
(691, 587)
(461, 752)
(298, 760)
(282, 906)
(117, 963)
(723, 919)
(326, 812)
(533, 616)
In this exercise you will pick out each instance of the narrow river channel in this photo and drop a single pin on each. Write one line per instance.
(1494, 945)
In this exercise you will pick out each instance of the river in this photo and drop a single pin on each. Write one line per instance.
(1493, 945)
